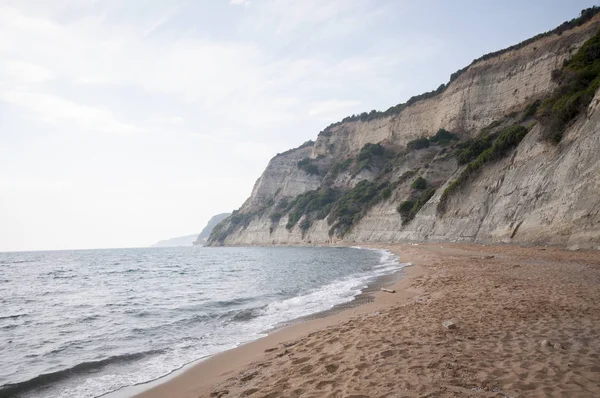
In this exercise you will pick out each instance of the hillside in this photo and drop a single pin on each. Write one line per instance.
(206, 231)
(507, 151)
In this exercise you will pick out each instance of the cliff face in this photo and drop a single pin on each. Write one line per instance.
(485, 92)
(201, 238)
(536, 192)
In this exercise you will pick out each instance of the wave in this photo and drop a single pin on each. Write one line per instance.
(14, 316)
(15, 389)
(328, 296)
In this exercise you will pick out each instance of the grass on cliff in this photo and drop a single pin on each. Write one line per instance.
(409, 208)
(309, 166)
(317, 201)
(578, 80)
(443, 137)
(507, 139)
(353, 205)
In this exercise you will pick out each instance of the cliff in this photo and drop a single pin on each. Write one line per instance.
(208, 228)
(507, 151)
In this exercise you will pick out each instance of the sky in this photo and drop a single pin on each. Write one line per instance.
(124, 122)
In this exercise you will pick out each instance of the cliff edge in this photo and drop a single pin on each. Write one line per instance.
(507, 151)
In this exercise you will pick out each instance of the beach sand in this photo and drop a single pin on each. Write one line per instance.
(526, 324)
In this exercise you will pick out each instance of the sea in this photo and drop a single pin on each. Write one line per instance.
(88, 323)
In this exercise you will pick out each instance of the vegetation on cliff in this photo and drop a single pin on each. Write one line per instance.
(507, 139)
(312, 203)
(578, 80)
(344, 207)
(409, 208)
(443, 137)
(309, 166)
(353, 205)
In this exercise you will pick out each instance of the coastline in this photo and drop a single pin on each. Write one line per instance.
(512, 306)
(214, 368)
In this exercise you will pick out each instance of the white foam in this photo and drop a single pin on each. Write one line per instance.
(328, 296)
(318, 300)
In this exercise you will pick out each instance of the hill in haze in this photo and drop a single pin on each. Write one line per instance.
(175, 242)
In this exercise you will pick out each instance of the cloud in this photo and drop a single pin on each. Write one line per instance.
(23, 72)
(54, 110)
(253, 151)
(240, 2)
(332, 107)
(323, 19)
(206, 79)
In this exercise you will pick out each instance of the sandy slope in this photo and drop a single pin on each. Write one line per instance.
(504, 308)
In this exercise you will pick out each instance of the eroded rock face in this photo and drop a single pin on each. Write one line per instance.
(539, 194)
(484, 93)
(282, 177)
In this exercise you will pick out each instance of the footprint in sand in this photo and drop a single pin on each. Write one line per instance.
(387, 353)
(248, 377)
(322, 384)
(332, 368)
(300, 360)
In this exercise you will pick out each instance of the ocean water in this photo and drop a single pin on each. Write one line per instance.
(86, 323)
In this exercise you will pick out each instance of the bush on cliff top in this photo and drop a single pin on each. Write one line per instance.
(579, 79)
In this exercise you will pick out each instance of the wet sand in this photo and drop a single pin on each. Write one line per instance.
(526, 324)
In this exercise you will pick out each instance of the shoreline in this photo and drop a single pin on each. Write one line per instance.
(215, 367)
(366, 296)
(526, 324)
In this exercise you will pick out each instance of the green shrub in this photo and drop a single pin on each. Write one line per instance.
(386, 193)
(531, 109)
(305, 225)
(371, 154)
(369, 150)
(507, 139)
(405, 207)
(307, 164)
(282, 204)
(470, 149)
(443, 137)
(275, 216)
(419, 143)
(353, 205)
(409, 209)
(578, 80)
(308, 203)
(340, 167)
(420, 183)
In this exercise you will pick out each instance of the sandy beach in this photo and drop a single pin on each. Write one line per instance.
(525, 323)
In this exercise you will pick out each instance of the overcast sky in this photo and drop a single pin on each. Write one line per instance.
(126, 122)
